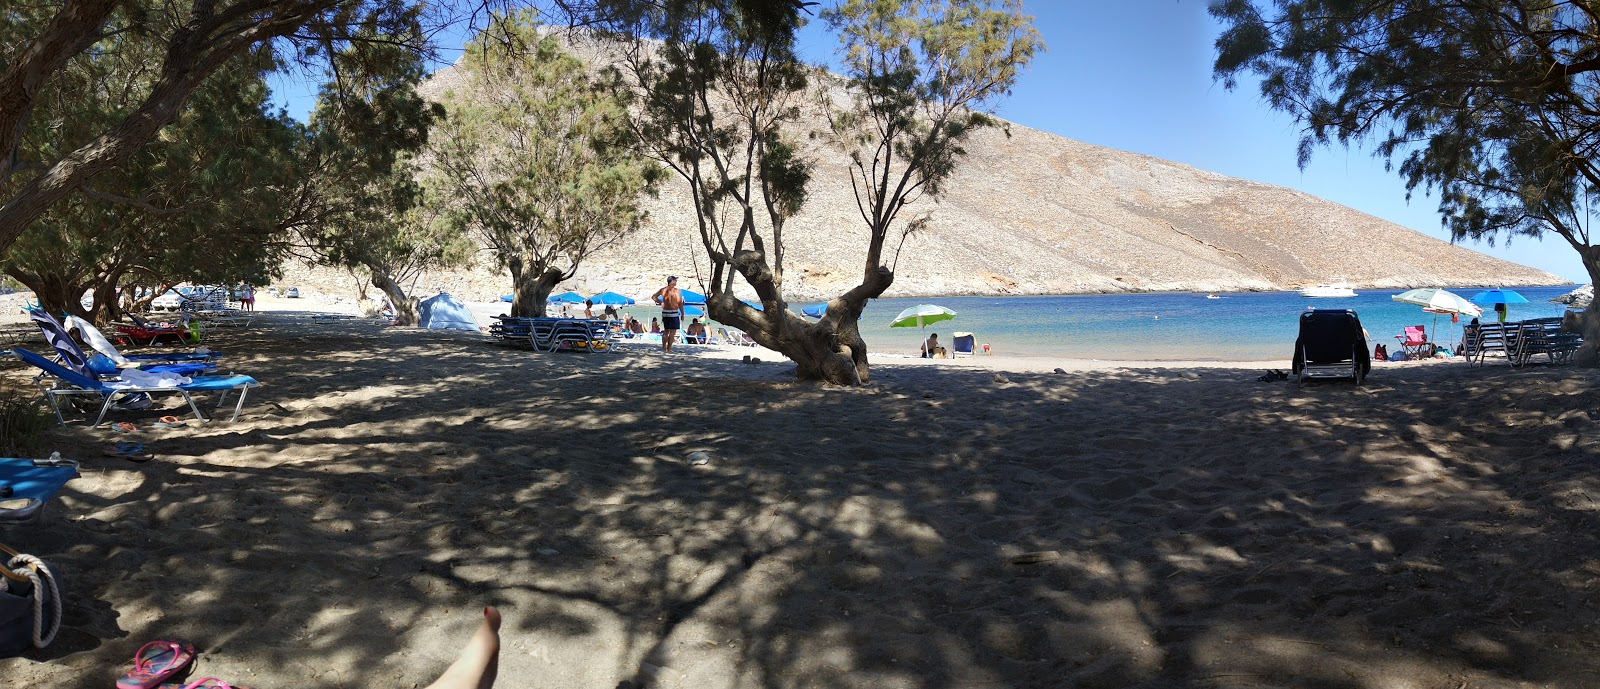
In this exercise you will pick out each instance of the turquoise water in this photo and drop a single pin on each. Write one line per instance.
(1174, 326)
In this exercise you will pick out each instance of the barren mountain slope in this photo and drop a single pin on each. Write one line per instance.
(1037, 213)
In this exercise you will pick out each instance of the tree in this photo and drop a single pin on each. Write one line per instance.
(198, 39)
(1490, 104)
(355, 202)
(923, 76)
(185, 209)
(533, 155)
(722, 93)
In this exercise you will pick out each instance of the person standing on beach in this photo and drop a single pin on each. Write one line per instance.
(1500, 311)
(247, 297)
(671, 302)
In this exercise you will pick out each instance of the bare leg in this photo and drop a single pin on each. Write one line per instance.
(479, 661)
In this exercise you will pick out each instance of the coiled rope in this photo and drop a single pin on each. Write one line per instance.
(33, 571)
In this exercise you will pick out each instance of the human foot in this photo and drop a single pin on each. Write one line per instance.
(479, 661)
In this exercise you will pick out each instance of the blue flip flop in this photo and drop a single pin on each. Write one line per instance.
(131, 451)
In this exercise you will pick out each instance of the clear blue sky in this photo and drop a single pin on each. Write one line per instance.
(1136, 75)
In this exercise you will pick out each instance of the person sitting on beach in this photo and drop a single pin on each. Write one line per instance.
(930, 346)
(588, 309)
(655, 325)
(696, 332)
(634, 326)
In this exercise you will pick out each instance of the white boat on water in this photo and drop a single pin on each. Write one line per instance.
(1337, 288)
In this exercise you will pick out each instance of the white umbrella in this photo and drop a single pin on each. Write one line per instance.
(1439, 301)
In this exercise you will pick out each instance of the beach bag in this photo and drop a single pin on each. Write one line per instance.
(30, 602)
(1380, 353)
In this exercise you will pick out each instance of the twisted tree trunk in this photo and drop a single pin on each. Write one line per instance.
(830, 350)
(405, 305)
(531, 283)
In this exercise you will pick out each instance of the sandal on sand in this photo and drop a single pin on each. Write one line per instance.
(214, 683)
(124, 427)
(157, 661)
(171, 422)
(131, 451)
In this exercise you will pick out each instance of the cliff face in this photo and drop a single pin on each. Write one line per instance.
(1037, 213)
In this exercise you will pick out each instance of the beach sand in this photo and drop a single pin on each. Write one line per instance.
(982, 523)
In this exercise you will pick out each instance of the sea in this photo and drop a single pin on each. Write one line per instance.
(1174, 326)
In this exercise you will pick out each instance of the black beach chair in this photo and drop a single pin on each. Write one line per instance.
(1331, 345)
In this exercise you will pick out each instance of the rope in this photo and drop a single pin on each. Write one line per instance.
(37, 574)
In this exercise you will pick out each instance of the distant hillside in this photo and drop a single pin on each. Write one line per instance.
(1037, 213)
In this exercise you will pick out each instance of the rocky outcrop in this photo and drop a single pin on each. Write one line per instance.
(1579, 298)
(1031, 212)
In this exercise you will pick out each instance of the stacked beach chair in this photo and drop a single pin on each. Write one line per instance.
(555, 334)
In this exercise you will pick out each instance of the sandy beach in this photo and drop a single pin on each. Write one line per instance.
(979, 523)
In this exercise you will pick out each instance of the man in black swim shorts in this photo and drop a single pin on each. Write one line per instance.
(671, 302)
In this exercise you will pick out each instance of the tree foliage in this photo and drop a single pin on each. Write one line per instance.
(923, 76)
(356, 200)
(185, 208)
(1490, 104)
(722, 93)
(534, 156)
(42, 43)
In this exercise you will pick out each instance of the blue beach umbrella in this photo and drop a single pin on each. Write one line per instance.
(754, 305)
(692, 297)
(815, 311)
(609, 298)
(1498, 296)
(693, 311)
(568, 297)
(508, 297)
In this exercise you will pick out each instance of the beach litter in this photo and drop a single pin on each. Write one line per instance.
(1037, 557)
(699, 458)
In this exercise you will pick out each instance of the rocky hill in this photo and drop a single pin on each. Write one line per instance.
(1036, 213)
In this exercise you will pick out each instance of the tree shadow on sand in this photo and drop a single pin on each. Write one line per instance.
(941, 528)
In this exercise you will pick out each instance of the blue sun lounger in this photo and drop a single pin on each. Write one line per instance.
(55, 333)
(73, 383)
(27, 484)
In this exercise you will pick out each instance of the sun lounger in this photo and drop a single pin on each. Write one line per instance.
(81, 382)
(1331, 345)
(55, 333)
(27, 484)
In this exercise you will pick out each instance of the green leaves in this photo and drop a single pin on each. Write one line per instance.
(534, 154)
(922, 74)
(1489, 103)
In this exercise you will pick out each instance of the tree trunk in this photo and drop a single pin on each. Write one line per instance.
(105, 305)
(830, 350)
(405, 305)
(1588, 355)
(531, 288)
(55, 293)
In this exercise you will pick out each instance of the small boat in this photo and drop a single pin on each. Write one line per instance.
(1212, 296)
(1337, 288)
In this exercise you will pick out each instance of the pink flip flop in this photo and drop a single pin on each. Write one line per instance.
(157, 661)
(214, 683)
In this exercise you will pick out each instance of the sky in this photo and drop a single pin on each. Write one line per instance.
(1135, 75)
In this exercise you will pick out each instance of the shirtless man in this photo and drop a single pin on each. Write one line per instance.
(671, 302)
